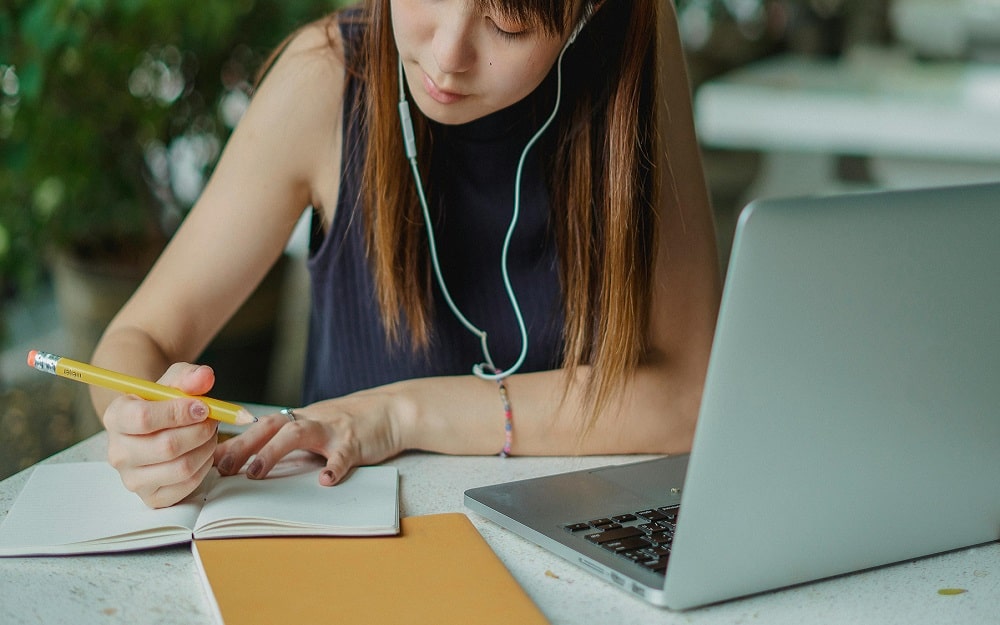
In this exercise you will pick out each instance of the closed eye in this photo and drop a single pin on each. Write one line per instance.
(508, 32)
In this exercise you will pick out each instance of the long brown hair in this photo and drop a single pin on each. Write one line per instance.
(602, 187)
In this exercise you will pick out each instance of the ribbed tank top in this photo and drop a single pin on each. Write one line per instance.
(471, 202)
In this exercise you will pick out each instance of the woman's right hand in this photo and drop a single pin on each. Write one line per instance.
(163, 449)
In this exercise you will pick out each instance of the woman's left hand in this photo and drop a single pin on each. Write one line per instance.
(358, 429)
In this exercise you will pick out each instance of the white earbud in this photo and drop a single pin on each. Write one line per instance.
(588, 12)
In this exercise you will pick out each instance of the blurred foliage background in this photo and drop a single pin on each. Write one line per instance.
(112, 113)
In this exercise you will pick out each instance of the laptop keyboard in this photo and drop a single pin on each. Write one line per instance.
(644, 537)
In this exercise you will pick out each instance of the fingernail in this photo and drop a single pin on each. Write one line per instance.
(199, 411)
(328, 476)
(255, 468)
(226, 465)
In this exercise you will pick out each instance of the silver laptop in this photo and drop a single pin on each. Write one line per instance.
(850, 419)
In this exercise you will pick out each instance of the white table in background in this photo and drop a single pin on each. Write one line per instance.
(917, 123)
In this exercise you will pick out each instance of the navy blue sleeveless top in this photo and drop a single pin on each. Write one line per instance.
(472, 194)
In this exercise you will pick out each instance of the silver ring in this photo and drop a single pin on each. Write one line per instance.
(288, 412)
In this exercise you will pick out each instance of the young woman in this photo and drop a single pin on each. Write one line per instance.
(570, 261)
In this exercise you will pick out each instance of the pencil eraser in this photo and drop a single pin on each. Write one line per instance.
(31, 357)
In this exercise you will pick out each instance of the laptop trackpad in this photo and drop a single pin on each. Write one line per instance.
(655, 479)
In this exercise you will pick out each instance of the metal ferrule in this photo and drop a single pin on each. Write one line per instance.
(46, 362)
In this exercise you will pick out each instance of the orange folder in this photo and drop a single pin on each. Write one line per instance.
(437, 570)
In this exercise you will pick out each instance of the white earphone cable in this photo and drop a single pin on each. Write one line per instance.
(409, 138)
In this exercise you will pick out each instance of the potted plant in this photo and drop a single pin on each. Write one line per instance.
(112, 113)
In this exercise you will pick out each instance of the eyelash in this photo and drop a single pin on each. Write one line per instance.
(506, 34)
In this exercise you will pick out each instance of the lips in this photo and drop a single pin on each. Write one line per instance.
(439, 95)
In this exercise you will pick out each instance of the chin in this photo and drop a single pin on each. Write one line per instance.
(448, 115)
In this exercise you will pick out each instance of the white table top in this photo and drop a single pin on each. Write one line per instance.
(874, 103)
(162, 586)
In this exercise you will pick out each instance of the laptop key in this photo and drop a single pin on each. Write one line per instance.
(662, 537)
(627, 544)
(577, 527)
(615, 534)
(658, 566)
(600, 522)
(652, 515)
(623, 518)
(637, 556)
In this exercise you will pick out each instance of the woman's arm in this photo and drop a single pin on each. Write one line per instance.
(283, 156)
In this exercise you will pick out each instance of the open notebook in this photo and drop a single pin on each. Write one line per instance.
(850, 419)
(82, 507)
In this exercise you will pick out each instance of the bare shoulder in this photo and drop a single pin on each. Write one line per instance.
(296, 113)
(310, 69)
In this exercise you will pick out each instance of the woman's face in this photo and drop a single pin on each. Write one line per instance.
(462, 63)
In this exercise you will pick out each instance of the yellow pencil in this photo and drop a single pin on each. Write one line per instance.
(89, 374)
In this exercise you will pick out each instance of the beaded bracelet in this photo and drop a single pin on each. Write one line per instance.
(508, 419)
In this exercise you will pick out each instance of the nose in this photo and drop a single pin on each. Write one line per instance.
(453, 46)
